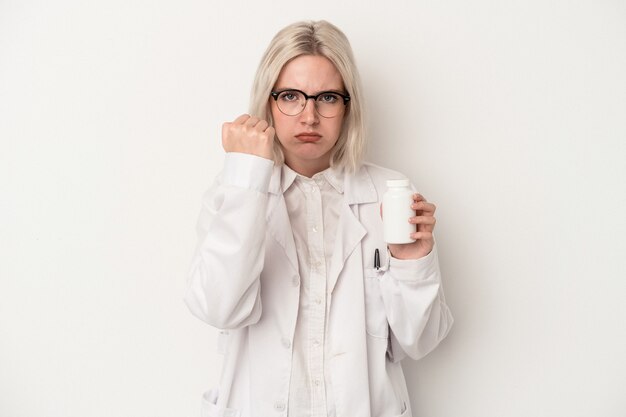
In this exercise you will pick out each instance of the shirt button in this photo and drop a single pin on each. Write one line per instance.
(314, 228)
(317, 382)
(279, 406)
(295, 281)
(318, 301)
(316, 343)
(286, 343)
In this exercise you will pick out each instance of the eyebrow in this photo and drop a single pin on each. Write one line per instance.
(331, 90)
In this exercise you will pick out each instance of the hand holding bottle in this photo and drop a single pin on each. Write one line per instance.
(424, 220)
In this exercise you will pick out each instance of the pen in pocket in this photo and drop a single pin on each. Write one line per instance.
(376, 259)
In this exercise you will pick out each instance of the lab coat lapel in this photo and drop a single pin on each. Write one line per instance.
(358, 189)
(278, 222)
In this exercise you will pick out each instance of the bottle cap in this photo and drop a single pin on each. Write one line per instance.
(397, 183)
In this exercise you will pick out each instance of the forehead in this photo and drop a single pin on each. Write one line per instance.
(310, 73)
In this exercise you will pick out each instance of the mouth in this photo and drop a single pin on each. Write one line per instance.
(308, 137)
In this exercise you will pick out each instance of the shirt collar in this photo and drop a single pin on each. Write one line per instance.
(358, 187)
(334, 176)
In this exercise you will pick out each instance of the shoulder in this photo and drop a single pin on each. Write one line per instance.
(379, 175)
(368, 183)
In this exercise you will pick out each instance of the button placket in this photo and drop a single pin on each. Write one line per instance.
(306, 204)
(317, 318)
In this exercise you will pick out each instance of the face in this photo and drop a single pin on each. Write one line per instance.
(308, 138)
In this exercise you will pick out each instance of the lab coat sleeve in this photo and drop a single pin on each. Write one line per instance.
(415, 306)
(223, 283)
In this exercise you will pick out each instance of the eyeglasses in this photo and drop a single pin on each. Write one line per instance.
(327, 103)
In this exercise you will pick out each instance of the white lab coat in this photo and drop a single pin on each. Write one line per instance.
(244, 280)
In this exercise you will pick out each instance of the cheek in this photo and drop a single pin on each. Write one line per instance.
(284, 129)
(279, 122)
(337, 128)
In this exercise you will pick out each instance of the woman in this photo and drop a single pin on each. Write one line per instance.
(287, 237)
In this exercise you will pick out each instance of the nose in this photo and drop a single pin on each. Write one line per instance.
(309, 113)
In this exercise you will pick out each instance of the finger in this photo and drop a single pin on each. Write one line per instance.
(252, 121)
(417, 198)
(422, 235)
(424, 207)
(262, 125)
(241, 119)
(427, 220)
(424, 223)
(229, 129)
(271, 132)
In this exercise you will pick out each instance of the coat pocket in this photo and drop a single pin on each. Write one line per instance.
(209, 406)
(375, 316)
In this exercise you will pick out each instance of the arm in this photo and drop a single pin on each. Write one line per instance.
(415, 306)
(412, 292)
(223, 285)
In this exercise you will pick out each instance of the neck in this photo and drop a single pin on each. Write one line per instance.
(308, 169)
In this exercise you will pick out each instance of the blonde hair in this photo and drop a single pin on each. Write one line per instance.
(323, 39)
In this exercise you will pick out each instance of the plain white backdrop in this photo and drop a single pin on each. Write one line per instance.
(509, 115)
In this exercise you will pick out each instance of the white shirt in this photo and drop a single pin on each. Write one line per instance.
(245, 279)
(313, 205)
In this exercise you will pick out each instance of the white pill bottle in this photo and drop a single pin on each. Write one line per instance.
(397, 211)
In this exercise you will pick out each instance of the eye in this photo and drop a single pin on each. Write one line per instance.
(328, 98)
(289, 96)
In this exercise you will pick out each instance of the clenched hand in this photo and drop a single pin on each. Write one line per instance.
(248, 134)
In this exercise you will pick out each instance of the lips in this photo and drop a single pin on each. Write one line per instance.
(309, 136)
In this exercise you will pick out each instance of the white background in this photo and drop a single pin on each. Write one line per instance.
(509, 115)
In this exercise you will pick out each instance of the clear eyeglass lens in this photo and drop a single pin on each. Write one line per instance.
(292, 103)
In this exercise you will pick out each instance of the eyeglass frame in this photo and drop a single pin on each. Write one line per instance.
(275, 94)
